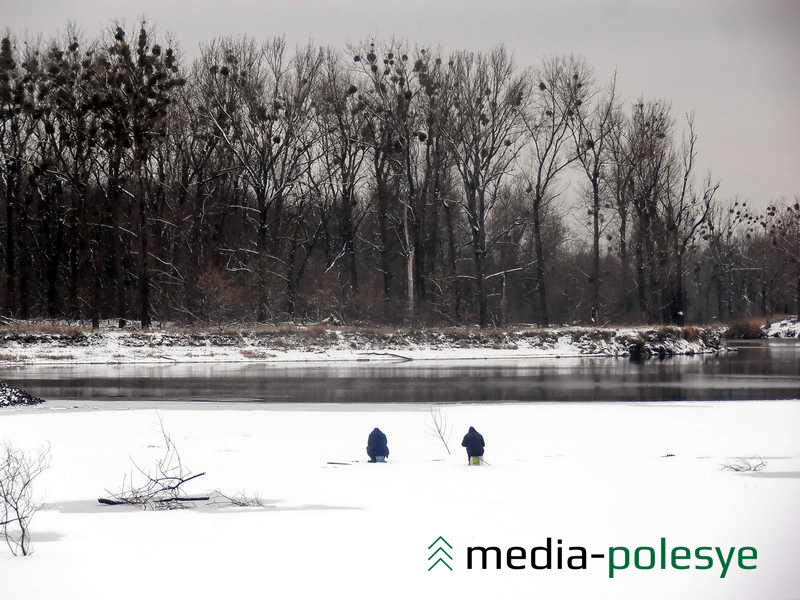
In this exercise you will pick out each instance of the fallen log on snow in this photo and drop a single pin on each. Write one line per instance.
(111, 502)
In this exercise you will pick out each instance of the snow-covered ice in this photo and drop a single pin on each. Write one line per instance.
(595, 475)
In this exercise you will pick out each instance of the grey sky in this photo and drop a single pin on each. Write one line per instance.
(736, 63)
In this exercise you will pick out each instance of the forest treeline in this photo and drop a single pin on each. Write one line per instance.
(382, 183)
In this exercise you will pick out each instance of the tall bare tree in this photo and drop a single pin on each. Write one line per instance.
(557, 86)
(261, 108)
(342, 115)
(486, 137)
(592, 127)
(685, 210)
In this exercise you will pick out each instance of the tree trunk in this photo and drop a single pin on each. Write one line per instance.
(409, 252)
(144, 273)
(679, 315)
(195, 260)
(12, 189)
(539, 272)
(797, 297)
(24, 256)
(479, 242)
(383, 231)
(55, 249)
(483, 309)
(624, 257)
(96, 286)
(291, 282)
(114, 199)
(77, 252)
(595, 311)
(348, 242)
(263, 262)
(453, 265)
(641, 270)
(504, 316)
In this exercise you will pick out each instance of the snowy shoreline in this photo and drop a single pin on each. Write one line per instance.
(786, 328)
(336, 345)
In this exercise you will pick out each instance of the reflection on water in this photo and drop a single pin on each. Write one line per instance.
(762, 370)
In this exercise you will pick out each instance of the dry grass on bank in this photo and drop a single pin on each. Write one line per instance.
(44, 327)
(319, 330)
(745, 329)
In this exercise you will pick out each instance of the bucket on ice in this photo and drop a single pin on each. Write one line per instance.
(475, 460)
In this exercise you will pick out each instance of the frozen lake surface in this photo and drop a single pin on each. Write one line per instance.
(593, 474)
(597, 473)
(759, 370)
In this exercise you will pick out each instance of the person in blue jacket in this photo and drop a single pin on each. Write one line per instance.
(474, 443)
(377, 446)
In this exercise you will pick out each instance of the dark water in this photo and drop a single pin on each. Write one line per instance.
(763, 370)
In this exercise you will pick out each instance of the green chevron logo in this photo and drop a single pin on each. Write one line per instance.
(440, 552)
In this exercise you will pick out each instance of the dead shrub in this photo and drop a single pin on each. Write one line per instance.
(55, 356)
(18, 472)
(222, 297)
(745, 465)
(44, 328)
(745, 329)
(691, 333)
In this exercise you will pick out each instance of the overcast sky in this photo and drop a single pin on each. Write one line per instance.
(736, 63)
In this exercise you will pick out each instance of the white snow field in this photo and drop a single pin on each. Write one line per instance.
(592, 475)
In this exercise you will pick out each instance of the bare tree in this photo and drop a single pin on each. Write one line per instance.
(618, 178)
(20, 74)
(18, 472)
(485, 139)
(557, 87)
(260, 107)
(592, 126)
(71, 127)
(649, 149)
(217, 198)
(341, 114)
(440, 428)
(782, 224)
(394, 89)
(720, 236)
(685, 212)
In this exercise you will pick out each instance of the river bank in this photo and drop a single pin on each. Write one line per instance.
(316, 343)
(785, 328)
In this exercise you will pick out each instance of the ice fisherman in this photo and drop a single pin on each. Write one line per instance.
(377, 446)
(474, 444)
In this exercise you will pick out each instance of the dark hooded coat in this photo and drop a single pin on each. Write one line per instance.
(473, 442)
(377, 444)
